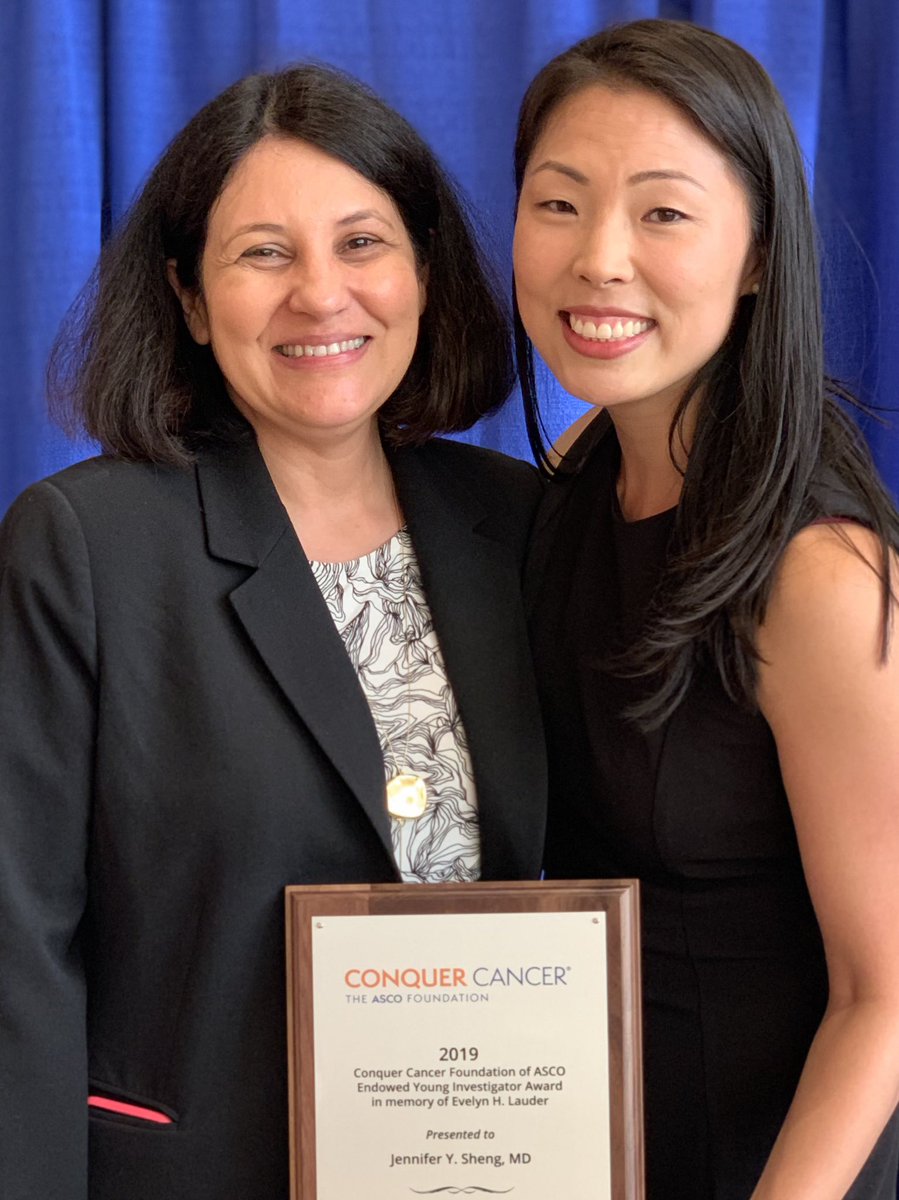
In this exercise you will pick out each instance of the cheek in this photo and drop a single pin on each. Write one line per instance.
(726, 269)
(527, 257)
(241, 310)
(719, 296)
(543, 272)
(396, 299)
(531, 274)
(706, 285)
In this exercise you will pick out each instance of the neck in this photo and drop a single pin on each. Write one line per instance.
(338, 492)
(651, 476)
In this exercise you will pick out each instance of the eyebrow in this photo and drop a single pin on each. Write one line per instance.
(364, 214)
(646, 176)
(259, 228)
(641, 177)
(562, 169)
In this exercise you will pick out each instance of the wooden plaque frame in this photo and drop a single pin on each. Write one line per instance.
(617, 898)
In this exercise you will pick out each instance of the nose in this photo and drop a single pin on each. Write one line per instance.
(604, 254)
(317, 285)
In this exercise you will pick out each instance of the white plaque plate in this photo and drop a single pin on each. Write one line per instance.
(461, 1055)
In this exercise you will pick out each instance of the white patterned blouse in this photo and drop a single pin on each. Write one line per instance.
(379, 608)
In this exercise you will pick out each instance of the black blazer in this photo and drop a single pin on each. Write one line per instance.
(182, 735)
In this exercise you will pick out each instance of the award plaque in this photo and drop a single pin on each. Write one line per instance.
(476, 1039)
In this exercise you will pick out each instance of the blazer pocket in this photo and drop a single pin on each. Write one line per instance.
(129, 1109)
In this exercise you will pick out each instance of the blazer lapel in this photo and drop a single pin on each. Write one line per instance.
(473, 589)
(286, 618)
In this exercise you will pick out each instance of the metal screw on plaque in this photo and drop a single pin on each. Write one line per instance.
(318, 925)
(596, 920)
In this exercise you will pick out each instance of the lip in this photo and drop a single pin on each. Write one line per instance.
(603, 350)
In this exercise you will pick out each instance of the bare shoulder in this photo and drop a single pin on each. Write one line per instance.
(829, 585)
(822, 640)
(839, 548)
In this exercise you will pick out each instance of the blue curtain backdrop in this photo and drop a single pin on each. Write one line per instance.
(92, 90)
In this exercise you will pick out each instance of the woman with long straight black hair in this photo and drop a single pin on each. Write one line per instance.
(713, 592)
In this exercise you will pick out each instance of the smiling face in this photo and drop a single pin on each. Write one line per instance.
(632, 247)
(310, 295)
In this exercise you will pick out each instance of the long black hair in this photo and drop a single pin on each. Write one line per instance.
(769, 423)
(124, 368)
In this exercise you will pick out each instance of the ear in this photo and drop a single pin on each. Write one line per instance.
(192, 305)
(752, 274)
(423, 277)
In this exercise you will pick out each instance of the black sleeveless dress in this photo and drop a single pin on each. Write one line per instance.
(734, 979)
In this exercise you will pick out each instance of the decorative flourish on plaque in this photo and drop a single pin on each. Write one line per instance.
(463, 1191)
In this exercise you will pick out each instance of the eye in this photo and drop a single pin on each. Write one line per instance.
(665, 216)
(362, 241)
(557, 206)
(267, 253)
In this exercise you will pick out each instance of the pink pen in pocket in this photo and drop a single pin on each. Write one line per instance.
(124, 1109)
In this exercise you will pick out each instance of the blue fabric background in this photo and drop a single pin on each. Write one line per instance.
(92, 90)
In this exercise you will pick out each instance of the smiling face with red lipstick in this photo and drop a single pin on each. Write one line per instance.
(632, 247)
(310, 293)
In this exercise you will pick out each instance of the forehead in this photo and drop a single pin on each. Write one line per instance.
(282, 175)
(629, 127)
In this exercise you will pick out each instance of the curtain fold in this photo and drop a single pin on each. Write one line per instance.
(93, 90)
(857, 175)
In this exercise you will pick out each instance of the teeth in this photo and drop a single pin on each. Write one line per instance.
(606, 331)
(320, 351)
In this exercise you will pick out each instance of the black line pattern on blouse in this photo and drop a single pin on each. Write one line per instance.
(379, 608)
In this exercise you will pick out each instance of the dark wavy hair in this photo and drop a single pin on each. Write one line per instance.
(124, 368)
(770, 423)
